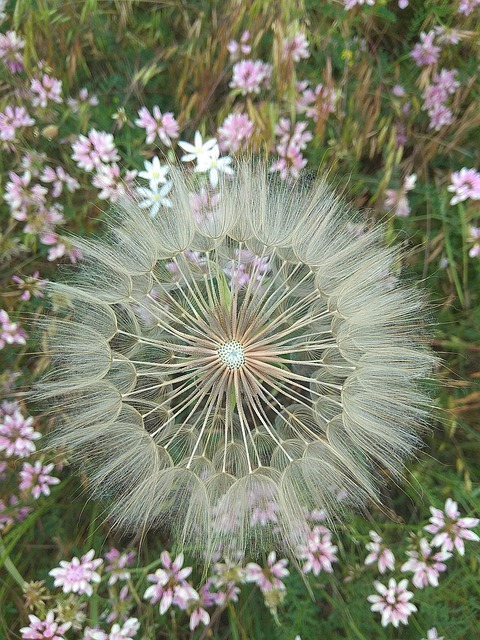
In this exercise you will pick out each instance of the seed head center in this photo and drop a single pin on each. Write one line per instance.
(231, 354)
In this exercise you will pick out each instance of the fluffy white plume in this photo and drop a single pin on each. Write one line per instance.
(226, 374)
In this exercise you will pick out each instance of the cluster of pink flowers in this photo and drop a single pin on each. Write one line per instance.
(315, 103)
(170, 584)
(270, 577)
(295, 48)
(17, 434)
(11, 51)
(396, 200)
(318, 552)
(292, 141)
(36, 479)
(48, 628)
(435, 96)
(467, 6)
(89, 152)
(162, 125)
(426, 52)
(449, 529)
(426, 565)
(77, 575)
(235, 132)
(59, 177)
(10, 332)
(246, 267)
(236, 49)
(46, 89)
(349, 4)
(118, 565)
(250, 76)
(379, 553)
(465, 185)
(393, 602)
(12, 119)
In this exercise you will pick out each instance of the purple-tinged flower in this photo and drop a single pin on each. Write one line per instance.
(77, 575)
(250, 76)
(398, 91)
(9, 513)
(290, 163)
(397, 201)
(155, 172)
(432, 634)
(59, 177)
(241, 270)
(83, 98)
(393, 602)
(47, 629)
(449, 530)
(298, 137)
(16, 433)
(37, 479)
(316, 103)
(446, 80)
(268, 578)
(199, 149)
(170, 584)
(349, 4)
(379, 553)
(225, 580)
(214, 165)
(295, 48)
(118, 563)
(403, 4)
(162, 125)
(20, 194)
(236, 48)
(112, 185)
(425, 566)
(10, 333)
(11, 46)
(440, 116)
(236, 130)
(466, 7)
(153, 199)
(206, 599)
(45, 89)
(89, 152)
(318, 552)
(465, 184)
(13, 119)
(425, 51)
(30, 286)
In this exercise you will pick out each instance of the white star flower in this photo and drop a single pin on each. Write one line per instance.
(199, 149)
(154, 172)
(155, 198)
(213, 164)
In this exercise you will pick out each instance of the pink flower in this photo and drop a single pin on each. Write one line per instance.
(295, 48)
(316, 103)
(162, 125)
(379, 553)
(127, 630)
(59, 177)
(36, 478)
(268, 578)
(11, 51)
(235, 48)
(290, 163)
(206, 599)
(237, 128)
(450, 530)
(112, 185)
(393, 602)
(47, 629)
(240, 271)
(425, 52)
(31, 285)
(465, 184)
(46, 89)
(20, 194)
(425, 566)
(466, 7)
(170, 585)
(440, 116)
(298, 137)
(319, 552)
(250, 75)
(77, 575)
(13, 119)
(10, 333)
(83, 98)
(118, 563)
(91, 151)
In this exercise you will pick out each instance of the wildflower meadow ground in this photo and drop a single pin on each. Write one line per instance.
(239, 320)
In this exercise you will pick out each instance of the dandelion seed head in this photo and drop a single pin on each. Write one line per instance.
(225, 376)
